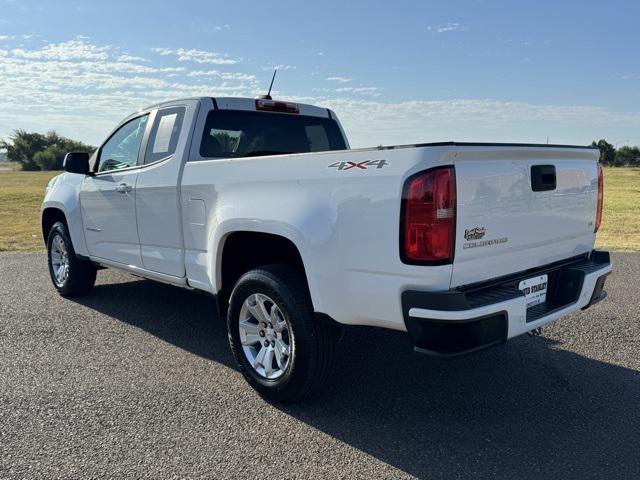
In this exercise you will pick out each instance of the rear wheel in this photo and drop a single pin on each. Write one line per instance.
(282, 349)
(69, 275)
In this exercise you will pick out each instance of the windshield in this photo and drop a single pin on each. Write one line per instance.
(239, 133)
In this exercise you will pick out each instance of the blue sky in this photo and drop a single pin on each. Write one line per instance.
(395, 72)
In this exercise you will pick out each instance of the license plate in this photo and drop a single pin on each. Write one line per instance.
(534, 289)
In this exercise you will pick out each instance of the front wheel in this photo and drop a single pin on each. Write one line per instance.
(282, 349)
(69, 275)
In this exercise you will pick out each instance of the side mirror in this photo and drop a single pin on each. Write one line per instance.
(76, 162)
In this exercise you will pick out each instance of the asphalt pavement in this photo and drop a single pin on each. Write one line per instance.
(136, 380)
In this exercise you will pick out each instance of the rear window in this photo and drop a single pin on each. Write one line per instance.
(239, 133)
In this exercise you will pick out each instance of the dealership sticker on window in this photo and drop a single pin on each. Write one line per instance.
(163, 135)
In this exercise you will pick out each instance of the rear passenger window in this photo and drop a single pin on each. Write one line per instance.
(164, 134)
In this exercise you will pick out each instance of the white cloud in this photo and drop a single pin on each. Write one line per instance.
(223, 75)
(279, 67)
(371, 123)
(372, 91)
(447, 27)
(197, 56)
(203, 73)
(82, 89)
(375, 91)
(209, 27)
(70, 50)
(131, 58)
(61, 85)
(339, 79)
(6, 37)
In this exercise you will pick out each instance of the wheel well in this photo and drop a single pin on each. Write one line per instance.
(49, 217)
(244, 251)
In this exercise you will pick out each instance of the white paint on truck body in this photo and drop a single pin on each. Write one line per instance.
(345, 223)
(494, 191)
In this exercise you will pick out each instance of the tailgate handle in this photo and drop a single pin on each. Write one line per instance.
(543, 178)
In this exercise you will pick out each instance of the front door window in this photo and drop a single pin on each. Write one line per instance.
(121, 150)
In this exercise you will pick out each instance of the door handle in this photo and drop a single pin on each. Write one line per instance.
(124, 188)
(543, 178)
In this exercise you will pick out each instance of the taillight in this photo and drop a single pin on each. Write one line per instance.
(600, 198)
(277, 106)
(427, 230)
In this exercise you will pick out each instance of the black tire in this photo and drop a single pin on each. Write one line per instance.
(313, 340)
(81, 274)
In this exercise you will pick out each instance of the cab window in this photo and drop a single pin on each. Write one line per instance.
(121, 150)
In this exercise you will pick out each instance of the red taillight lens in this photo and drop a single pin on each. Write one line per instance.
(429, 217)
(600, 198)
(276, 106)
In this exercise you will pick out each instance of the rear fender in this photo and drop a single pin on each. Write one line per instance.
(286, 229)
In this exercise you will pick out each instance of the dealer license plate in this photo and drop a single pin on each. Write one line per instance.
(534, 289)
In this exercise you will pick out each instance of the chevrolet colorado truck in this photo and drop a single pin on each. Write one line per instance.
(262, 204)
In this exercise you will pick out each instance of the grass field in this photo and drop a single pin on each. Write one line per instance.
(21, 194)
(620, 228)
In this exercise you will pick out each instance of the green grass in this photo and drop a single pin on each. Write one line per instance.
(620, 228)
(21, 194)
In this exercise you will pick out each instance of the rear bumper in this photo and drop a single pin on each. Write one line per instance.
(461, 321)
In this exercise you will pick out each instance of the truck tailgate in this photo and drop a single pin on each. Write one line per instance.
(513, 216)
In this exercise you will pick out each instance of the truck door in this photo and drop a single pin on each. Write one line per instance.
(157, 199)
(107, 199)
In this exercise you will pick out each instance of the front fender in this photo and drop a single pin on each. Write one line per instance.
(64, 195)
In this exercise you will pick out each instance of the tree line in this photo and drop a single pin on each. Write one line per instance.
(611, 156)
(37, 151)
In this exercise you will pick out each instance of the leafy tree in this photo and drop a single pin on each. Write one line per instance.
(23, 147)
(607, 152)
(50, 158)
(629, 156)
(35, 151)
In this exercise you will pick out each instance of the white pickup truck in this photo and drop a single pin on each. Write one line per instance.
(462, 245)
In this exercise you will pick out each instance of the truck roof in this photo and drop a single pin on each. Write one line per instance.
(244, 103)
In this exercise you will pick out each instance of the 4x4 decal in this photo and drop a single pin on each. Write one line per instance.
(359, 165)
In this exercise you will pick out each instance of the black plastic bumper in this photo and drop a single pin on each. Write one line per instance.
(450, 338)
